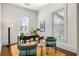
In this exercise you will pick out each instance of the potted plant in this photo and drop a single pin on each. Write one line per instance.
(33, 31)
(21, 35)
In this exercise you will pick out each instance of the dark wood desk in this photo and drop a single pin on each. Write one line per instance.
(30, 37)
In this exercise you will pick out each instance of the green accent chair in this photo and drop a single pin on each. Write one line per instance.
(27, 50)
(51, 42)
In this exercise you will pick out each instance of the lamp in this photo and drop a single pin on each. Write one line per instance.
(9, 30)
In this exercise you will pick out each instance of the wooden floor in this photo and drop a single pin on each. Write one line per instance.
(13, 51)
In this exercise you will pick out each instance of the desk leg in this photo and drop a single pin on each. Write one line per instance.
(34, 39)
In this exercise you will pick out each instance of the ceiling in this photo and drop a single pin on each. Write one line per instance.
(32, 6)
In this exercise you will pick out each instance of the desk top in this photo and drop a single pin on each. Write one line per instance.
(30, 36)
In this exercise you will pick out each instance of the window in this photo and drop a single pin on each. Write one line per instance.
(58, 24)
(23, 24)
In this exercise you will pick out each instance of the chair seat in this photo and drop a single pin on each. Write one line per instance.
(50, 43)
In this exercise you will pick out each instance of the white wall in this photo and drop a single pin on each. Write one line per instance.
(0, 29)
(10, 16)
(46, 15)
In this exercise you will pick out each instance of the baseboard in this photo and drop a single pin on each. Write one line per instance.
(9, 45)
(6, 43)
(68, 53)
(74, 50)
(0, 49)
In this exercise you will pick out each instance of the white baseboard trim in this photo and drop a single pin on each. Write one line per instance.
(67, 47)
(6, 43)
(0, 49)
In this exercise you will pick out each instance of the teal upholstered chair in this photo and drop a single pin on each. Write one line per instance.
(27, 50)
(51, 42)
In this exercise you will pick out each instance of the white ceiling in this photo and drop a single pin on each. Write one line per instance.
(32, 6)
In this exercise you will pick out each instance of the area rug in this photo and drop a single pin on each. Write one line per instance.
(50, 52)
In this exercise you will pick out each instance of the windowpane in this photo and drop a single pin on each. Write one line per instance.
(23, 23)
(58, 26)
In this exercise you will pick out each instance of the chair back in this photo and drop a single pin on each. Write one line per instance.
(29, 50)
(51, 39)
(50, 42)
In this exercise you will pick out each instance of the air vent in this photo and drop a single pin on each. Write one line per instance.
(27, 4)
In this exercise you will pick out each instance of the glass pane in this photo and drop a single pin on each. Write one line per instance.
(58, 26)
(23, 23)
